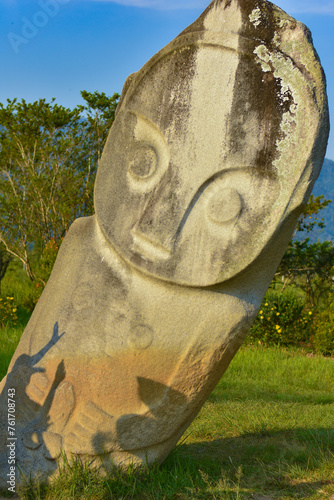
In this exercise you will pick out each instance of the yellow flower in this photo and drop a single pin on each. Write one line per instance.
(277, 314)
(261, 312)
(261, 317)
(14, 309)
(310, 312)
(277, 327)
(266, 304)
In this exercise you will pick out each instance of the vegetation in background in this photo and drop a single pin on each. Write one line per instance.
(308, 219)
(324, 186)
(11, 333)
(48, 161)
(310, 267)
(8, 311)
(100, 113)
(282, 320)
(5, 259)
(323, 337)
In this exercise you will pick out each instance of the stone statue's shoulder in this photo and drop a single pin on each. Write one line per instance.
(84, 226)
(80, 234)
(77, 243)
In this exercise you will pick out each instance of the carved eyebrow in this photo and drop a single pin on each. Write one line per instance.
(148, 132)
(202, 188)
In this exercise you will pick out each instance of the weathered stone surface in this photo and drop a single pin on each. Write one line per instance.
(217, 142)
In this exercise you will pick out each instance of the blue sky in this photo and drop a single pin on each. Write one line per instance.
(55, 48)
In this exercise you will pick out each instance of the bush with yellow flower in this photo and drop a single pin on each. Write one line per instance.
(282, 320)
(8, 312)
(323, 337)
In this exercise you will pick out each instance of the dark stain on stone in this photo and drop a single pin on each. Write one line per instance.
(173, 72)
(116, 285)
(227, 4)
(258, 92)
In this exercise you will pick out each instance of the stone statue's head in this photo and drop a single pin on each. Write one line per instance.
(217, 141)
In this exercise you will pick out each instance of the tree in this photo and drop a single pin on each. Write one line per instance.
(100, 111)
(308, 266)
(48, 161)
(308, 219)
(5, 259)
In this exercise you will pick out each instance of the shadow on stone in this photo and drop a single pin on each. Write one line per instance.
(31, 419)
(139, 434)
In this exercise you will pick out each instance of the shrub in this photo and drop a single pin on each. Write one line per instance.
(282, 320)
(46, 262)
(7, 312)
(48, 258)
(323, 338)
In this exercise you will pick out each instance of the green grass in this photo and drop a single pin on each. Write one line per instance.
(266, 432)
(9, 338)
(272, 415)
(17, 284)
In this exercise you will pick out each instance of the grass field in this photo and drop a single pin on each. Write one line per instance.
(266, 432)
(9, 338)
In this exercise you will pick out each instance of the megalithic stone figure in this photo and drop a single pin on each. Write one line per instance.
(216, 145)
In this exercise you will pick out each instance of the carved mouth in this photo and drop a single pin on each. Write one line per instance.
(147, 248)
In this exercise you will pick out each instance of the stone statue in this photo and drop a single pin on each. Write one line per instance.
(216, 145)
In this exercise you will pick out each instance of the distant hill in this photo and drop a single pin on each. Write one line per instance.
(325, 185)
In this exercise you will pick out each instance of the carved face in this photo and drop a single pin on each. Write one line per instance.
(189, 187)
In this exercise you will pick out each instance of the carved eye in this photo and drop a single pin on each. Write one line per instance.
(148, 158)
(224, 205)
(143, 161)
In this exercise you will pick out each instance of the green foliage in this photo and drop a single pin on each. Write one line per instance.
(101, 112)
(282, 320)
(44, 267)
(41, 164)
(8, 312)
(48, 161)
(10, 335)
(5, 259)
(324, 186)
(48, 257)
(17, 284)
(323, 339)
(310, 267)
(308, 219)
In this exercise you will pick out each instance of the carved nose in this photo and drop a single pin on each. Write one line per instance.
(148, 247)
(155, 232)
